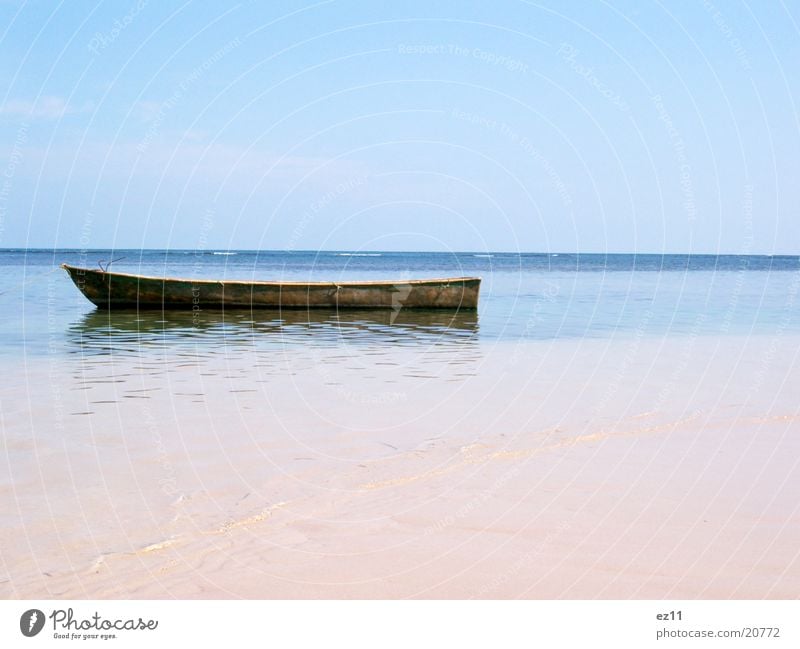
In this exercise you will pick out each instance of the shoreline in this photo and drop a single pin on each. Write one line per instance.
(573, 473)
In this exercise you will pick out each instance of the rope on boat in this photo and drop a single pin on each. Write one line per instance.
(31, 280)
(100, 263)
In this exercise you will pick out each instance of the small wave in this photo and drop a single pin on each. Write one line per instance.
(223, 253)
(358, 254)
(484, 256)
(155, 547)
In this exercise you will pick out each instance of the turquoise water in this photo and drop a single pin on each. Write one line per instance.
(523, 297)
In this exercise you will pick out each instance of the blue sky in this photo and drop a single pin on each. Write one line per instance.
(533, 126)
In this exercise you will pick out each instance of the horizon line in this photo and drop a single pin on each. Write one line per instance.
(365, 250)
(398, 252)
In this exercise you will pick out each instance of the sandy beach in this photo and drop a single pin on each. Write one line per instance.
(400, 324)
(627, 467)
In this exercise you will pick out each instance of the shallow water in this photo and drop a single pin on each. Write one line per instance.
(531, 296)
(127, 435)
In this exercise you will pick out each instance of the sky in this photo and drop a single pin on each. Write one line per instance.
(625, 126)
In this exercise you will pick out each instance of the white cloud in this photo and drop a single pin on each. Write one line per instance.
(147, 110)
(47, 107)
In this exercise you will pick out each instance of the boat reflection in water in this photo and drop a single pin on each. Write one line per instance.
(364, 353)
(121, 332)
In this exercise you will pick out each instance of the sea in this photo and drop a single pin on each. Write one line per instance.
(131, 436)
(528, 296)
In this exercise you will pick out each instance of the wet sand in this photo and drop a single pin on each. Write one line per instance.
(630, 468)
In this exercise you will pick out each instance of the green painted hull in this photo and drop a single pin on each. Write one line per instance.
(123, 291)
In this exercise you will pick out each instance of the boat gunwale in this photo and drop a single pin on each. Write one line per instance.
(400, 282)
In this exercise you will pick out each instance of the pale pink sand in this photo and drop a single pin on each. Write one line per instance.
(586, 469)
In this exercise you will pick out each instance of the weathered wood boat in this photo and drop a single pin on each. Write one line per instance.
(124, 291)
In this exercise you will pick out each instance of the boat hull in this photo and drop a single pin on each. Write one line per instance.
(123, 291)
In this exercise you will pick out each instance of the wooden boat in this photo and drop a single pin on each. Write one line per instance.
(124, 291)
